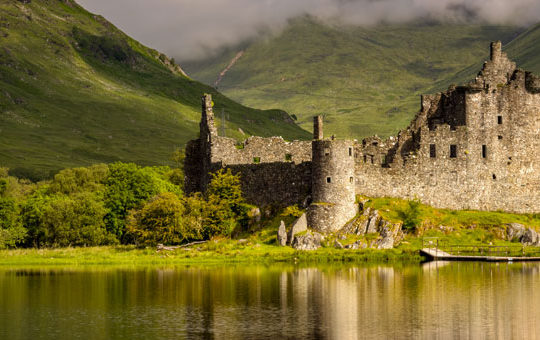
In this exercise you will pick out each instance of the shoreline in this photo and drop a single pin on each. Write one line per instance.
(262, 254)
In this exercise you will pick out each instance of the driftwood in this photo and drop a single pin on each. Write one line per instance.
(161, 247)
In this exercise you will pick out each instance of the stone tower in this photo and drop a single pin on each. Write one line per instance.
(333, 183)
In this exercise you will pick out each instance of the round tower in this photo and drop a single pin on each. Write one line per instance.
(333, 183)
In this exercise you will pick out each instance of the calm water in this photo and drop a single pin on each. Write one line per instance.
(444, 301)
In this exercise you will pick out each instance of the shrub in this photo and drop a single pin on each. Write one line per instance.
(161, 220)
(411, 215)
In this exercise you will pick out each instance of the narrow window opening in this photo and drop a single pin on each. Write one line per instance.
(432, 151)
(499, 137)
(256, 160)
(326, 151)
(350, 152)
(453, 151)
(288, 157)
(328, 179)
(351, 179)
(484, 151)
(499, 120)
(365, 159)
(494, 177)
(371, 159)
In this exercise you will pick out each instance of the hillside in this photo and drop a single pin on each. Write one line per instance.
(364, 80)
(74, 90)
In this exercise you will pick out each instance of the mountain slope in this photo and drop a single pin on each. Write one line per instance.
(74, 90)
(364, 80)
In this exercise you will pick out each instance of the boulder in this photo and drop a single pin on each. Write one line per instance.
(298, 226)
(527, 236)
(514, 231)
(307, 241)
(530, 238)
(282, 234)
(373, 223)
(338, 245)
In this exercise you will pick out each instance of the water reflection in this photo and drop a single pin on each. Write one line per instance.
(436, 300)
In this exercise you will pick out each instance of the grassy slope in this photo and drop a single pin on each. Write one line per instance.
(366, 80)
(71, 99)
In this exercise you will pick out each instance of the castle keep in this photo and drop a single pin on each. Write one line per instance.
(472, 147)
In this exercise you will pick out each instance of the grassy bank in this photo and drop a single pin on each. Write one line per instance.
(225, 252)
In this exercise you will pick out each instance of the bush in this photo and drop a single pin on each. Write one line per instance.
(161, 220)
(411, 215)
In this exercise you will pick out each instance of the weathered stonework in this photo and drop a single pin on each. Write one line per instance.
(470, 147)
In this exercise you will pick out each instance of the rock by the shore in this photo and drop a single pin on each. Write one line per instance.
(282, 234)
(307, 241)
(298, 226)
(526, 236)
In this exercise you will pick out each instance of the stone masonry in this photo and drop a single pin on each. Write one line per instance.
(471, 147)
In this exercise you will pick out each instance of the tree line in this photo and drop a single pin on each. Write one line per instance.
(119, 203)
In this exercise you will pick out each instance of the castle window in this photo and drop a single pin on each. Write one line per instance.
(328, 179)
(326, 151)
(288, 157)
(499, 137)
(350, 152)
(484, 151)
(365, 159)
(499, 120)
(453, 151)
(351, 179)
(256, 160)
(432, 151)
(494, 177)
(371, 159)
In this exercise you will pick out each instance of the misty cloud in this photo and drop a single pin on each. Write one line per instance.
(188, 29)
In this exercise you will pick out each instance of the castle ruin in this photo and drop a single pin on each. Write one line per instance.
(471, 147)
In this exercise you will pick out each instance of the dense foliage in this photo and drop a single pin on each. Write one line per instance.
(116, 203)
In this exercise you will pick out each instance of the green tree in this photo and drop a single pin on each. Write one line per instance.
(161, 220)
(11, 230)
(60, 220)
(226, 207)
(90, 179)
(127, 187)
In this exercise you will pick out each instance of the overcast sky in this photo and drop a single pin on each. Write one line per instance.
(187, 29)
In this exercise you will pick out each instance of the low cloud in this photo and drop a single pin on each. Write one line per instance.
(189, 29)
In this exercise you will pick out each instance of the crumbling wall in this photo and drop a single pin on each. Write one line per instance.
(472, 147)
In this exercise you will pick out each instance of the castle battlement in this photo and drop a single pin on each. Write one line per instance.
(471, 147)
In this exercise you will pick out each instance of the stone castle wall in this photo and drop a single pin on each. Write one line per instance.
(272, 170)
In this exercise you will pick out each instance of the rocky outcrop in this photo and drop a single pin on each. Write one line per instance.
(298, 226)
(526, 236)
(307, 241)
(282, 235)
(371, 222)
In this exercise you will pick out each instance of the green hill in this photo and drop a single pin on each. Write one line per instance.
(364, 80)
(74, 90)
